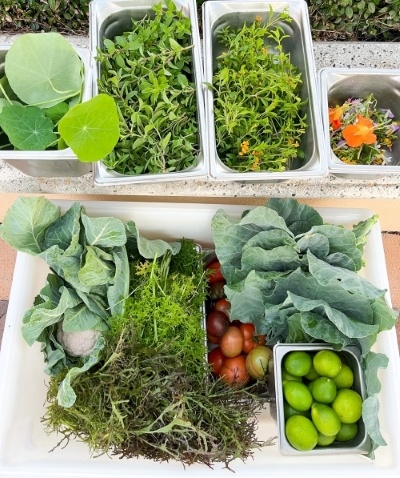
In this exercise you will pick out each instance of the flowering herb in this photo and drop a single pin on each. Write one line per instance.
(257, 105)
(361, 133)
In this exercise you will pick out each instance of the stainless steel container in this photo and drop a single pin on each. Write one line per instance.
(56, 163)
(111, 18)
(360, 444)
(336, 85)
(218, 14)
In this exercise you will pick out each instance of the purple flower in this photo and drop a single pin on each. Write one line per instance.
(341, 143)
(394, 127)
(387, 113)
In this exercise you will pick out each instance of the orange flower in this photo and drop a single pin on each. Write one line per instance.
(335, 115)
(359, 133)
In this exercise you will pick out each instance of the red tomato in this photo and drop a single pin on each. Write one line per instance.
(212, 339)
(216, 359)
(223, 305)
(234, 371)
(248, 330)
(217, 323)
(249, 345)
(215, 273)
(260, 339)
(236, 323)
(232, 341)
(216, 290)
(257, 361)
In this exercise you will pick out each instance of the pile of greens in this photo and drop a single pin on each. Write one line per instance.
(40, 101)
(297, 280)
(145, 387)
(149, 73)
(258, 110)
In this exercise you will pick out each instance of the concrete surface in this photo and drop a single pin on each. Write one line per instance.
(327, 54)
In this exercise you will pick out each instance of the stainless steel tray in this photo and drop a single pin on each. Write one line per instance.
(111, 18)
(336, 85)
(218, 14)
(54, 163)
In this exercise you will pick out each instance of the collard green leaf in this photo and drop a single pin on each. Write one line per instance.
(43, 69)
(38, 318)
(148, 248)
(271, 239)
(298, 217)
(279, 259)
(54, 354)
(372, 363)
(79, 318)
(95, 270)
(296, 330)
(327, 274)
(370, 414)
(318, 244)
(27, 127)
(338, 259)
(340, 240)
(66, 396)
(322, 329)
(362, 229)
(91, 129)
(26, 221)
(104, 231)
(344, 324)
(64, 232)
(119, 290)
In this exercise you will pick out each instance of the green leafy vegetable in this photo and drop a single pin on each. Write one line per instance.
(258, 111)
(149, 395)
(296, 279)
(44, 72)
(60, 73)
(28, 129)
(149, 72)
(88, 131)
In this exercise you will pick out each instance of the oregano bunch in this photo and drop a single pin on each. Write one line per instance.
(258, 111)
(148, 71)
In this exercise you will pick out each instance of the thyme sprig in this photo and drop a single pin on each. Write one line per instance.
(259, 118)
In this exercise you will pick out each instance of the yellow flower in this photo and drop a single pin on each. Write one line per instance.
(258, 19)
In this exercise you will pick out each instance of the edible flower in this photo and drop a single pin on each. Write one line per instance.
(359, 133)
(335, 117)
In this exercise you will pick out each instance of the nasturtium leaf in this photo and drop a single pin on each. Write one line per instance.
(56, 112)
(91, 129)
(27, 128)
(43, 69)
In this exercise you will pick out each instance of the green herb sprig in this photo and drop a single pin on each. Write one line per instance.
(258, 110)
(148, 71)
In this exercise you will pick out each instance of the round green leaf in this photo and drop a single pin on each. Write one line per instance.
(27, 128)
(43, 69)
(91, 129)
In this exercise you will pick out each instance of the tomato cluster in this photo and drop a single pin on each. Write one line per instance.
(236, 353)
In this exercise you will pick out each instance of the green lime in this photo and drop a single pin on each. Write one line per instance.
(327, 363)
(297, 363)
(297, 395)
(289, 411)
(324, 440)
(347, 432)
(323, 389)
(348, 405)
(288, 376)
(345, 378)
(312, 374)
(301, 433)
(325, 419)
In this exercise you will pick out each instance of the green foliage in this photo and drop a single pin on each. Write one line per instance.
(45, 74)
(302, 284)
(257, 106)
(64, 16)
(373, 20)
(148, 71)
